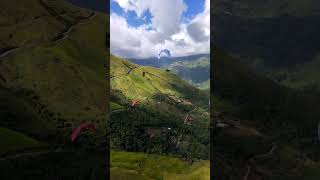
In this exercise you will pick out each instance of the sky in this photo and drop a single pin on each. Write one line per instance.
(142, 28)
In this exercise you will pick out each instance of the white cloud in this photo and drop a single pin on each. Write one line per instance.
(168, 32)
(199, 28)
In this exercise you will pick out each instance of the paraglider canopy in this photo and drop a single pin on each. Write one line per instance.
(164, 53)
(82, 127)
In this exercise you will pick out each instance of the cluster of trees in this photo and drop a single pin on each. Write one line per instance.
(175, 137)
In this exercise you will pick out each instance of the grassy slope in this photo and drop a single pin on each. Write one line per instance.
(13, 141)
(144, 88)
(30, 24)
(67, 75)
(196, 72)
(144, 166)
(155, 81)
(155, 112)
(48, 87)
(305, 76)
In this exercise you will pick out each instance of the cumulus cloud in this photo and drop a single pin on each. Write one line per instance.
(166, 30)
(199, 28)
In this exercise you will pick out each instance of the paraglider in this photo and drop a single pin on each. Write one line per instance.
(82, 127)
(135, 103)
(164, 53)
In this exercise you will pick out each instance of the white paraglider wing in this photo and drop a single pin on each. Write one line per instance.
(164, 53)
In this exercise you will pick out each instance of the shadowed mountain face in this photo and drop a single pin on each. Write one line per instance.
(272, 42)
(267, 8)
(266, 128)
(270, 33)
(263, 130)
(97, 5)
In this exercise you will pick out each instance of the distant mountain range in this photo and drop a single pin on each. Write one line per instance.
(195, 68)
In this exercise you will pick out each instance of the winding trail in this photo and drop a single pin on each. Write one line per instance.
(60, 36)
(127, 73)
(119, 110)
(5, 53)
(259, 156)
(31, 153)
(65, 33)
(247, 173)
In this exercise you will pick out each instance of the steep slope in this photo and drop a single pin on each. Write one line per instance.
(269, 123)
(196, 72)
(239, 84)
(13, 141)
(172, 118)
(145, 81)
(52, 78)
(303, 77)
(70, 82)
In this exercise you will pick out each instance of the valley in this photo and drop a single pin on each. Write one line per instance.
(194, 69)
(171, 120)
(265, 62)
(253, 135)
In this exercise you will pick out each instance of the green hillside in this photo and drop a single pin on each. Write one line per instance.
(52, 78)
(171, 120)
(303, 77)
(11, 141)
(128, 78)
(147, 167)
(196, 72)
(68, 81)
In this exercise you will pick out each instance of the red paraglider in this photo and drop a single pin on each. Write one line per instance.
(81, 128)
(135, 103)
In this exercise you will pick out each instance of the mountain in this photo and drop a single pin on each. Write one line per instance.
(263, 129)
(266, 9)
(41, 65)
(172, 119)
(97, 5)
(52, 78)
(268, 109)
(268, 35)
(303, 77)
(195, 68)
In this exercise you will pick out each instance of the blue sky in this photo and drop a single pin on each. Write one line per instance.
(141, 28)
(194, 7)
